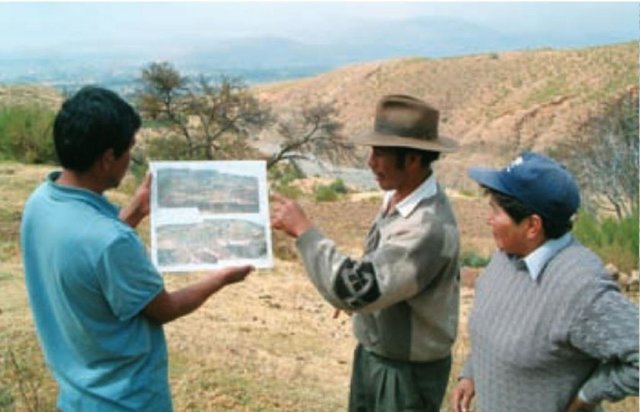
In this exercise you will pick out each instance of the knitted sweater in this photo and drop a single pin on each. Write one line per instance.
(535, 344)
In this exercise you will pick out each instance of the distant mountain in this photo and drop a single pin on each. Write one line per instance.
(268, 59)
(425, 36)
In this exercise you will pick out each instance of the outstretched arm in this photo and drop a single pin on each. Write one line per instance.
(390, 272)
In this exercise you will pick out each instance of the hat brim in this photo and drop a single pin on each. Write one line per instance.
(489, 178)
(441, 144)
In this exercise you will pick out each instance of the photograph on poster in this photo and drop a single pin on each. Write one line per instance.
(209, 214)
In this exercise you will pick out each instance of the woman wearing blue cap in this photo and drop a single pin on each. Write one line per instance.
(550, 330)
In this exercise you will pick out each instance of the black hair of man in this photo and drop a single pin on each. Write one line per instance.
(426, 156)
(517, 211)
(91, 122)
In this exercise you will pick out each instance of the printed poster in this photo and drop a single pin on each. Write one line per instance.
(209, 214)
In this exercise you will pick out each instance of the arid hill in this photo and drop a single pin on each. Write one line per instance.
(495, 104)
(47, 96)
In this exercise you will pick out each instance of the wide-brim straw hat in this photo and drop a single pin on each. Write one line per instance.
(404, 121)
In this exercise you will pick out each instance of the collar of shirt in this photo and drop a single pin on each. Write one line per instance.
(538, 259)
(427, 189)
(84, 195)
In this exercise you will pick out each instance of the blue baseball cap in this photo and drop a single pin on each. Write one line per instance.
(539, 182)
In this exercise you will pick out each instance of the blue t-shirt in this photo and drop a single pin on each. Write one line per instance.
(88, 277)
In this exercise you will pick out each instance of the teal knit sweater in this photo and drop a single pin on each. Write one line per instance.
(536, 344)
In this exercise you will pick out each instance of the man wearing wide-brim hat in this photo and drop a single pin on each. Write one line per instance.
(404, 290)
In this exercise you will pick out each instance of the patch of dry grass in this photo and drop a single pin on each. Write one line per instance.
(267, 344)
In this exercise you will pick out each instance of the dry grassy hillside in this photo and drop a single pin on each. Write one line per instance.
(495, 104)
(28, 94)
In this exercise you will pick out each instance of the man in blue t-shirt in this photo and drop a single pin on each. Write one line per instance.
(97, 300)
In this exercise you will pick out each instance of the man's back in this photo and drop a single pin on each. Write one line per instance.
(88, 278)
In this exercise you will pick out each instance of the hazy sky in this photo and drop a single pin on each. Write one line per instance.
(34, 27)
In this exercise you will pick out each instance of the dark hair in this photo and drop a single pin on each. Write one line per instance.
(91, 122)
(426, 156)
(518, 211)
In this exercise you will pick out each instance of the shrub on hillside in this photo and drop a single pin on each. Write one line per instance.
(292, 192)
(281, 176)
(284, 174)
(324, 193)
(615, 241)
(472, 259)
(338, 186)
(26, 134)
(330, 192)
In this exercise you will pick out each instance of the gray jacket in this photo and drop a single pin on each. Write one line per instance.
(405, 289)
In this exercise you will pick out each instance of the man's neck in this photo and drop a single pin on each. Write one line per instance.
(85, 180)
(402, 192)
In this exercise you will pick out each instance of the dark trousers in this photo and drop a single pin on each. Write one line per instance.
(384, 385)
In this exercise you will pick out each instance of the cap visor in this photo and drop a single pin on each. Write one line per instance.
(488, 178)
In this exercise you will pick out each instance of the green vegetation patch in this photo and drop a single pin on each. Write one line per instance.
(472, 259)
(282, 177)
(613, 240)
(330, 192)
(26, 134)
(553, 88)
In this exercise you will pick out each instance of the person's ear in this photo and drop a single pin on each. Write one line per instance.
(107, 159)
(413, 161)
(534, 227)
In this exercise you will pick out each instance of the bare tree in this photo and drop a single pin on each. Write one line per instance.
(312, 129)
(201, 119)
(604, 156)
(204, 119)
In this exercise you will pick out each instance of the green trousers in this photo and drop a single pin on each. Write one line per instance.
(384, 385)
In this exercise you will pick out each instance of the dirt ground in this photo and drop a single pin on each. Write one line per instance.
(276, 326)
(267, 344)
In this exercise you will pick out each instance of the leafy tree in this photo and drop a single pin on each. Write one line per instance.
(604, 157)
(204, 119)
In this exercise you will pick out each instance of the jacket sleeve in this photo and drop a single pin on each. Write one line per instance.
(405, 262)
(607, 329)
